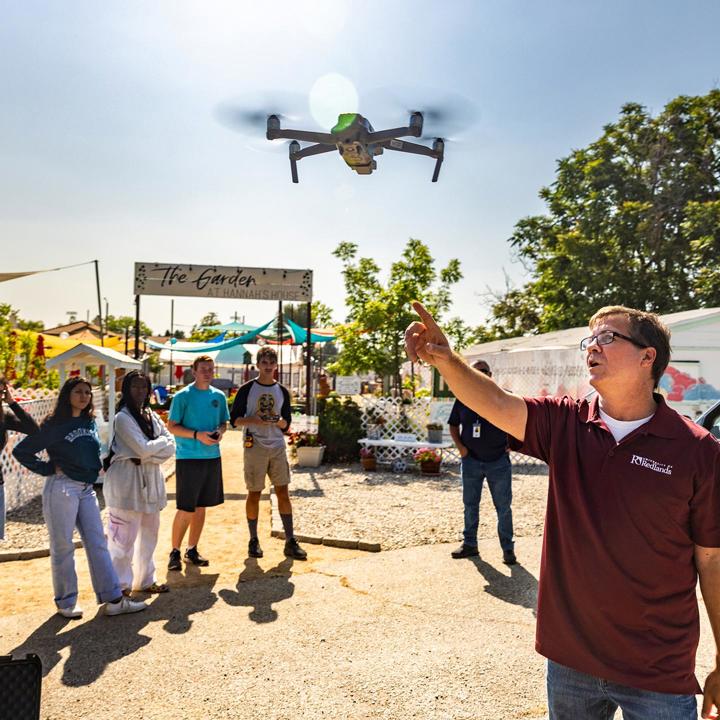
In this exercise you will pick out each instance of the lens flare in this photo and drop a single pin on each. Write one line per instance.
(330, 96)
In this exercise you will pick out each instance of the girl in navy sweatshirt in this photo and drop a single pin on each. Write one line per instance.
(70, 437)
(15, 419)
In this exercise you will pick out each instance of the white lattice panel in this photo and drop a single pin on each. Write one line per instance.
(400, 417)
(21, 485)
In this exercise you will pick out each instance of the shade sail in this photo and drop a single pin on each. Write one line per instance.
(211, 346)
(234, 327)
(299, 334)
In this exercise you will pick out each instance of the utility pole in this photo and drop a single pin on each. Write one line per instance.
(100, 318)
(172, 335)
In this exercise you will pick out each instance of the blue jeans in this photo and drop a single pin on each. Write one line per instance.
(499, 477)
(68, 504)
(573, 695)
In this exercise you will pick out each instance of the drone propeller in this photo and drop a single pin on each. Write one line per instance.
(445, 114)
(248, 115)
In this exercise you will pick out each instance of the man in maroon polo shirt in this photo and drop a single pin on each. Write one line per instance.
(632, 521)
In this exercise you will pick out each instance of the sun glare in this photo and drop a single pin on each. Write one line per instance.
(331, 95)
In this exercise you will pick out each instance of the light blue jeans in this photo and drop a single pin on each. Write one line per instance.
(68, 504)
(573, 695)
(499, 478)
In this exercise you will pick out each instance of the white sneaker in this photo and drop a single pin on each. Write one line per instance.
(125, 606)
(73, 612)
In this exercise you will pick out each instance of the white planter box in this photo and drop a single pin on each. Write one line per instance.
(310, 456)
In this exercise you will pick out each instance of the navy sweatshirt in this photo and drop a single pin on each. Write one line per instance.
(73, 446)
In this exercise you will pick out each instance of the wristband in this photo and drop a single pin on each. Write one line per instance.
(194, 434)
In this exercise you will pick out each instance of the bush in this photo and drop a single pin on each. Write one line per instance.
(340, 426)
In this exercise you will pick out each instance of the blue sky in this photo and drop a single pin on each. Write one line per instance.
(111, 149)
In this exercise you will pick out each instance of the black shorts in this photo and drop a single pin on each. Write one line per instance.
(198, 483)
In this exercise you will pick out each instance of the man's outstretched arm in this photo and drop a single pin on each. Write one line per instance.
(425, 341)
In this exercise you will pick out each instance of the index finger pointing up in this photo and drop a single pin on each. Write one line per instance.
(426, 318)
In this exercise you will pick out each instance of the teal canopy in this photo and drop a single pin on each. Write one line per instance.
(233, 327)
(211, 346)
(299, 334)
(296, 333)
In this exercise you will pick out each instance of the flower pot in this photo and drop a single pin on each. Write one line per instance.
(310, 456)
(430, 467)
(369, 463)
(435, 436)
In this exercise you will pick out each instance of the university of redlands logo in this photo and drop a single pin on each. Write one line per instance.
(653, 465)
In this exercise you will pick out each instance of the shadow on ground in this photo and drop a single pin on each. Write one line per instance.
(93, 645)
(519, 588)
(260, 589)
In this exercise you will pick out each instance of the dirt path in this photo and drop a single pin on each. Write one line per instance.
(27, 585)
(402, 634)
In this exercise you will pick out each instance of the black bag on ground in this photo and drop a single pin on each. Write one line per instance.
(20, 684)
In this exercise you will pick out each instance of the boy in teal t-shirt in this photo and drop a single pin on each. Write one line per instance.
(198, 419)
(201, 410)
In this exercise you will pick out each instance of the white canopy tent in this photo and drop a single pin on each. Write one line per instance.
(79, 357)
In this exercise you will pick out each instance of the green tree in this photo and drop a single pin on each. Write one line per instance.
(322, 353)
(34, 325)
(19, 360)
(199, 334)
(321, 313)
(122, 322)
(633, 219)
(373, 337)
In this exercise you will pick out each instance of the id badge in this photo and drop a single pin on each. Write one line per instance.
(476, 430)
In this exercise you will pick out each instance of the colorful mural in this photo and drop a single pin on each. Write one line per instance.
(677, 386)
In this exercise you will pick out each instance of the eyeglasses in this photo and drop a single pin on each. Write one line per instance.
(605, 338)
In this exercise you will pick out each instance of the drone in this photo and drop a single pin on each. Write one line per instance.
(357, 142)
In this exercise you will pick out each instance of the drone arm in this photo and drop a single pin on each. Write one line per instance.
(304, 135)
(408, 147)
(383, 135)
(298, 154)
(318, 149)
(416, 149)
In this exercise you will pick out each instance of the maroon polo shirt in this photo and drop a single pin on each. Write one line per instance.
(616, 597)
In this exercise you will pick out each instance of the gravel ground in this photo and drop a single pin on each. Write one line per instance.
(403, 510)
(395, 509)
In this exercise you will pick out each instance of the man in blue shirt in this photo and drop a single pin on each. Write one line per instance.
(198, 419)
(484, 454)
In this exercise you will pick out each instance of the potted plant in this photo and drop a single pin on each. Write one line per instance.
(368, 459)
(429, 460)
(308, 448)
(434, 432)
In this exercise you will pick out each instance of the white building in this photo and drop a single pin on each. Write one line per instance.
(552, 364)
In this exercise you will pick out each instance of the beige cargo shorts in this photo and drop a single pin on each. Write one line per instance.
(260, 461)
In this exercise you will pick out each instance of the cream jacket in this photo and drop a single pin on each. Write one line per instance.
(128, 486)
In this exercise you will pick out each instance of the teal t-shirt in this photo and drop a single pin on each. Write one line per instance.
(201, 410)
